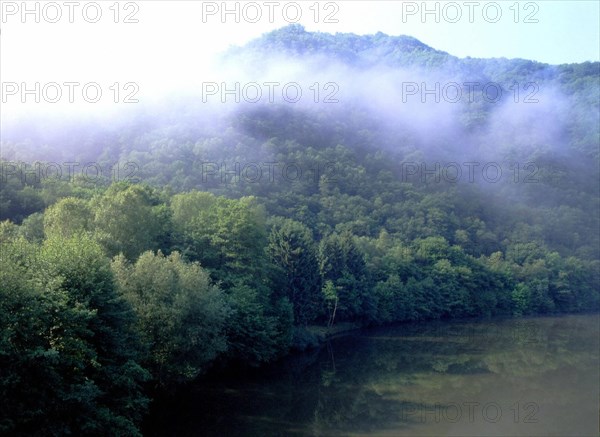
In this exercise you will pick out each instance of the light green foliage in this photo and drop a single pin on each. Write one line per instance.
(226, 236)
(181, 316)
(32, 228)
(126, 220)
(68, 217)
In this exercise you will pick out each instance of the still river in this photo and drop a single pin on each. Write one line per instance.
(531, 376)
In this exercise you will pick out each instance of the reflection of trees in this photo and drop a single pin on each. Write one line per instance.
(361, 394)
(543, 345)
(375, 382)
(378, 380)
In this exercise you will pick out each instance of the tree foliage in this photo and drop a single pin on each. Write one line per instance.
(180, 314)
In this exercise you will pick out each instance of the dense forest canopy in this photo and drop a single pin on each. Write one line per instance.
(140, 251)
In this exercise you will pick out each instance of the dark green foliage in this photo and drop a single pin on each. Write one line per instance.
(292, 250)
(67, 356)
(18, 194)
(228, 237)
(342, 263)
(256, 335)
(303, 339)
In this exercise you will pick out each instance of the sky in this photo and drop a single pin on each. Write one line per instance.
(157, 43)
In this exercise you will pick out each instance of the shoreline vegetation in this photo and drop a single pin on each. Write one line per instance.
(81, 291)
(321, 334)
(324, 333)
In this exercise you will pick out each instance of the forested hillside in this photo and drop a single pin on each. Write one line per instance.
(218, 232)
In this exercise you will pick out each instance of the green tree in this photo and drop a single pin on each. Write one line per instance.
(68, 217)
(66, 356)
(32, 227)
(330, 295)
(181, 315)
(341, 262)
(229, 237)
(85, 275)
(127, 219)
(292, 250)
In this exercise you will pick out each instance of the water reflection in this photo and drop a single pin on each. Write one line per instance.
(535, 376)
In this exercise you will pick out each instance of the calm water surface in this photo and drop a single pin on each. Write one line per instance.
(536, 376)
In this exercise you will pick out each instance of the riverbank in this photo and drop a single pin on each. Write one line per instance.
(315, 335)
(324, 333)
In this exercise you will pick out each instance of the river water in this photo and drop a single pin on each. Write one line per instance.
(533, 376)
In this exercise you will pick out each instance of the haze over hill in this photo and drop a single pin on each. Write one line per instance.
(397, 81)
